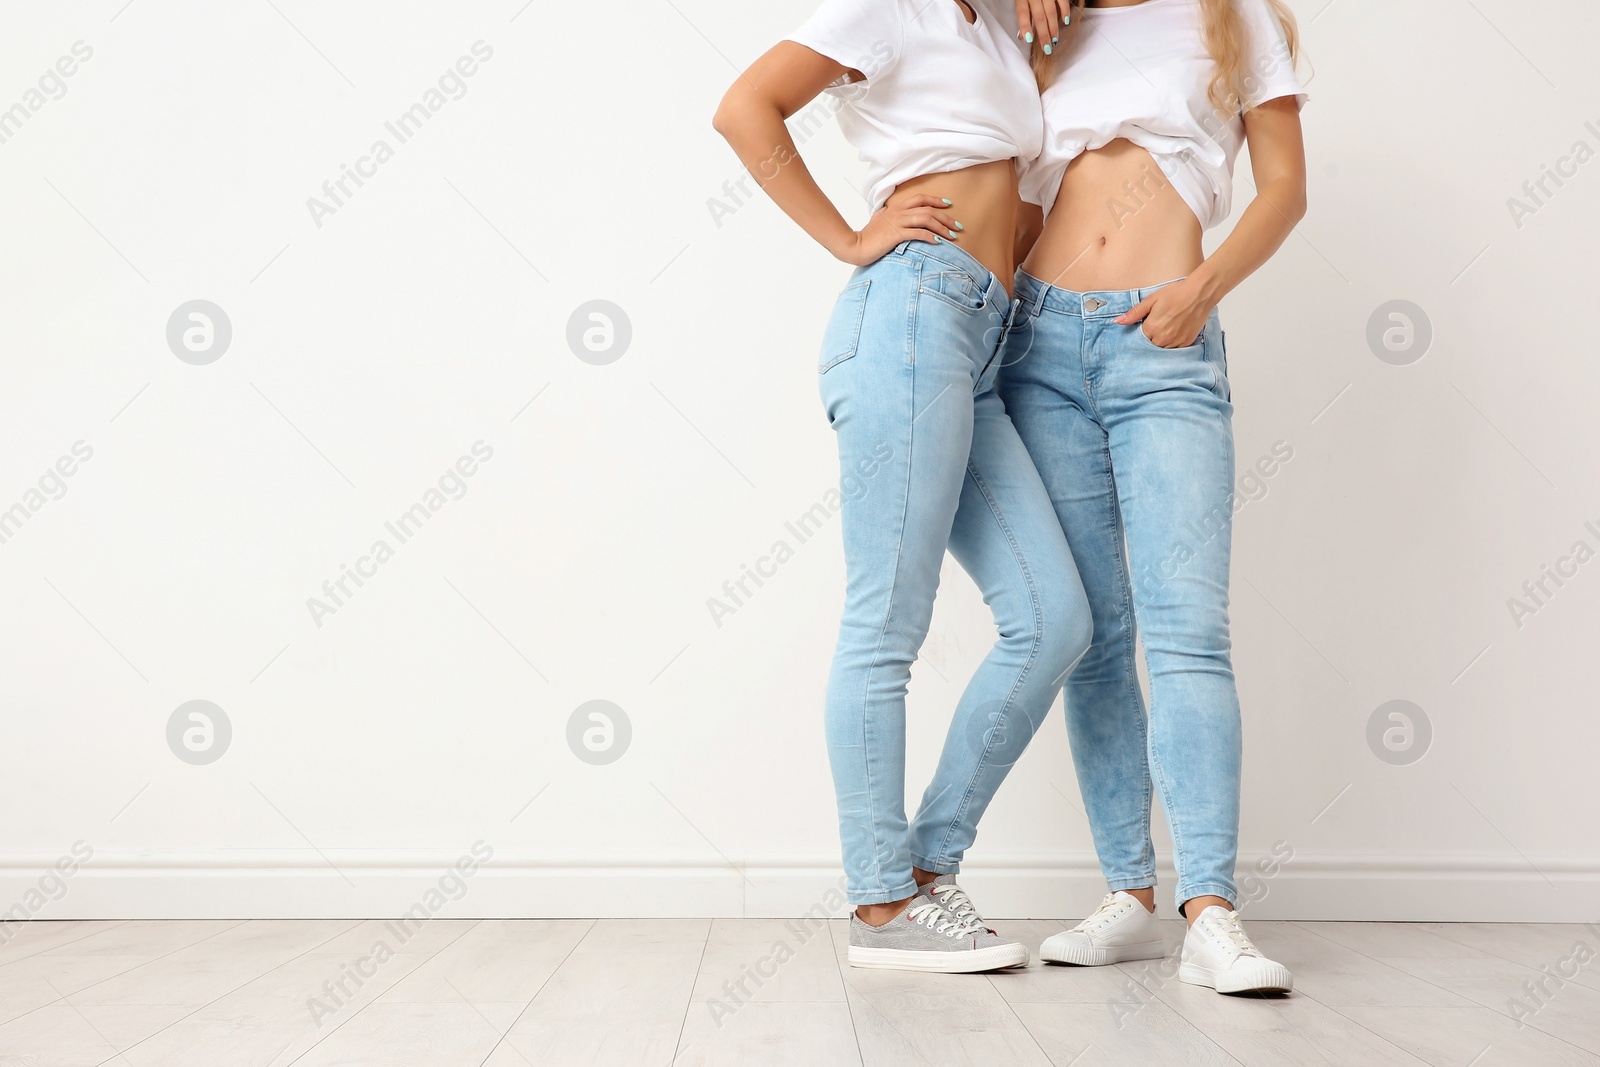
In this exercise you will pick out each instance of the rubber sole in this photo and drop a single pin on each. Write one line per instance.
(1068, 952)
(1267, 978)
(993, 958)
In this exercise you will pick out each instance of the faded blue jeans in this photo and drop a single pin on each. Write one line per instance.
(1135, 443)
(930, 462)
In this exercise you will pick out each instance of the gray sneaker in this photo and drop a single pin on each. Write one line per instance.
(952, 898)
(926, 937)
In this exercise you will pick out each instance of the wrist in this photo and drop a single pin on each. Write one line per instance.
(1211, 286)
(842, 245)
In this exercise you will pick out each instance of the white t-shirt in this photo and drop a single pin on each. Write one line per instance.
(1142, 72)
(940, 93)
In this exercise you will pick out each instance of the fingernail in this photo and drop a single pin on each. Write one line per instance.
(1028, 37)
(1066, 20)
(1055, 40)
(1046, 49)
(946, 202)
(938, 240)
(952, 233)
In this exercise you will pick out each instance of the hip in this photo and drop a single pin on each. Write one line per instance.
(933, 309)
(1071, 341)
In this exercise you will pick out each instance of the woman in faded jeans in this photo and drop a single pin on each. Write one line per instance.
(939, 98)
(1116, 376)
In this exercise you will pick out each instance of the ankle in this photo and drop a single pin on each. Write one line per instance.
(1146, 896)
(922, 877)
(878, 914)
(1192, 907)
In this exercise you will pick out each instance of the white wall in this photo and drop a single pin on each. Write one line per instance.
(430, 312)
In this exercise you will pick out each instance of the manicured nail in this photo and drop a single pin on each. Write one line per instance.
(1055, 40)
(938, 240)
(952, 233)
(1028, 37)
(946, 202)
(1066, 20)
(959, 226)
(1046, 49)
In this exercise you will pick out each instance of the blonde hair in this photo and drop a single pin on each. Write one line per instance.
(1225, 40)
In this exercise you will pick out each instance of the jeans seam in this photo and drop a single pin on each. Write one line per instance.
(911, 316)
(877, 652)
(1130, 620)
(1088, 388)
(1027, 668)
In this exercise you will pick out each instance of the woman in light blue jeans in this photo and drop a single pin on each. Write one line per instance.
(1136, 443)
(939, 98)
(1116, 376)
(909, 362)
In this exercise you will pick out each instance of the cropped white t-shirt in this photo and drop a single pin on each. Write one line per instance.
(1142, 72)
(940, 93)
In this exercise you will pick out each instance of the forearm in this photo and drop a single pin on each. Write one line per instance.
(1265, 225)
(759, 137)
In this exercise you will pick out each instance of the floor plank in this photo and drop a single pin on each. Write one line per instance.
(1532, 997)
(801, 1034)
(24, 939)
(1530, 944)
(697, 992)
(1454, 1037)
(1339, 977)
(622, 996)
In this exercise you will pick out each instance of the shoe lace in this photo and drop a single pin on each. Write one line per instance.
(954, 899)
(1110, 909)
(932, 914)
(1227, 931)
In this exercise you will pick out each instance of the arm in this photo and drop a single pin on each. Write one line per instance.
(1175, 315)
(751, 118)
(1278, 159)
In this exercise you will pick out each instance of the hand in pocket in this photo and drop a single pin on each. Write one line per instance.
(1173, 316)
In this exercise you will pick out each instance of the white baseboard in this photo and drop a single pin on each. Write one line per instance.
(363, 884)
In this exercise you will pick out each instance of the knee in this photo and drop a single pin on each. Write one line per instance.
(1065, 631)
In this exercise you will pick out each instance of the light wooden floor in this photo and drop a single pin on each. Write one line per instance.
(503, 993)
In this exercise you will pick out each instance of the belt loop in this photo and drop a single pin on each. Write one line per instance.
(1038, 300)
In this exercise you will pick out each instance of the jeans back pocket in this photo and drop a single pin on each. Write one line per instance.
(843, 335)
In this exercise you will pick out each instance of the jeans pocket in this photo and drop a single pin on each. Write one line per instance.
(1198, 342)
(957, 288)
(843, 335)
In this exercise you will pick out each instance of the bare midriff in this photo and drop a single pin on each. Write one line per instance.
(1117, 223)
(983, 199)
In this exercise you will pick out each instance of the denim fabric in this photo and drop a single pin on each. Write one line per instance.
(929, 461)
(1135, 443)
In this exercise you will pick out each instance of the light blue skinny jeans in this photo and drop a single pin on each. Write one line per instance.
(1135, 443)
(929, 462)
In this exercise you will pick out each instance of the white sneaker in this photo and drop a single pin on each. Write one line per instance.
(1217, 953)
(1120, 929)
